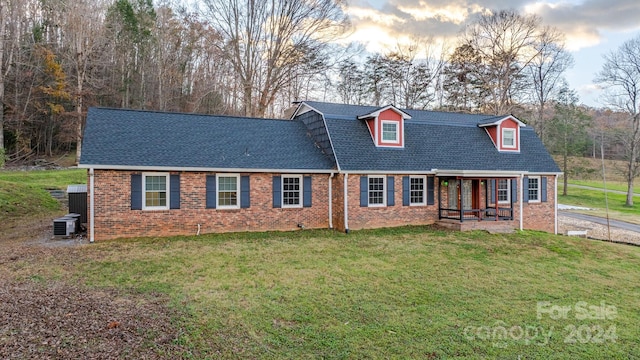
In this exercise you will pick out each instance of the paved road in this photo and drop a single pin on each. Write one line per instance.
(595, 188)
(598, 220)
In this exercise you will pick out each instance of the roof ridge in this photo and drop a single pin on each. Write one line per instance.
(183, 113)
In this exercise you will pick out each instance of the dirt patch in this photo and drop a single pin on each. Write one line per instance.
(41, 318)
(57, 320)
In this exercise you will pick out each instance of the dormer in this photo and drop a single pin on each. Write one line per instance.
(386, 126)
(504, 132)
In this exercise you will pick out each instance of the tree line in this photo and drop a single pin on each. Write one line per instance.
(256, 57)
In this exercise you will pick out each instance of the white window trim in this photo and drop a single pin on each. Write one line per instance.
(508, 201)
(397, 125)
(299, 205)
(424, 190)
(384, 191)
(144, 191)
(539, 186)
(227, 207)
(515, 138)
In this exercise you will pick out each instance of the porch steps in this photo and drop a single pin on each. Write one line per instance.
(492, 227)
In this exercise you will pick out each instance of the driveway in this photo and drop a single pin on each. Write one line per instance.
(602, 221)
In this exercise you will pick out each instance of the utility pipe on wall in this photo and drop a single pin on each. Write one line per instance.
(331, 200)
(91, 206)
(346, 203)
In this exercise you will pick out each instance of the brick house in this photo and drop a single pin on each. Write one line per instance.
(329, 166)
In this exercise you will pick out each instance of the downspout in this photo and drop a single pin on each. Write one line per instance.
(555, 207)
(91, 206)
(521, 200)
(346, 204)
(331, 200)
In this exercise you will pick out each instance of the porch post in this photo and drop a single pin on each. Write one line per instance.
(461, 195)
(439, 198)
(496, 181)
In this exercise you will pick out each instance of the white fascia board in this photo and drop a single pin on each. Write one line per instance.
(387, 172)
(498, 122)
(303, 107)
(480, 173)
(377, 112)
(204, 169)
(545, 173)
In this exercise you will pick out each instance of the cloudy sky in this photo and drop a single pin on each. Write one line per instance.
(592, 27)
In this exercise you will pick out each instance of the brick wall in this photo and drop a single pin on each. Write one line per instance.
(389, 216)
(115, 219)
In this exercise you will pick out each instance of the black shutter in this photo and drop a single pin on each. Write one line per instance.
(406, 191)
(430, 190)
(211, 192)
(543, 188)
(245, 192)
(306, 195)
(525, 189)
(277, 191)
(136, 192)
(514, 190)
(391, 191)
(174, 191)
(364, 191)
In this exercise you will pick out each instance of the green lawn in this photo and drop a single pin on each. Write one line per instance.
(411, 292)
(595, 200)
(24, 193)
(611, 185)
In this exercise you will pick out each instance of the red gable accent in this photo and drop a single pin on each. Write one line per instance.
(393, 116)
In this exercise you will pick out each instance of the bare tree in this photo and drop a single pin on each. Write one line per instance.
(84, 43)
(620, 74)
(265, 40)
(545, 71)
(506, 43)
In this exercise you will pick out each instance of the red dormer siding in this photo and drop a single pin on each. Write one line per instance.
(390, 116)
(509, 124)
(493, 133)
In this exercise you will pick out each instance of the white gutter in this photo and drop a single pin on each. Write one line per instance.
(555, 207)
(91, 206)
(521, 200)
(346, 204)
(204, 169)
(331, 201)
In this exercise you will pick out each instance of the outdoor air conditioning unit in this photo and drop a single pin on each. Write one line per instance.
(64, 226)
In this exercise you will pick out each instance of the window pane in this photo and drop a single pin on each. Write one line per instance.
(503, 190)
(376, 191)
(417, 190)
(227, 191)
(508, 138)
(389, 132)
(155, 191)
(533, 189)
(291, 191)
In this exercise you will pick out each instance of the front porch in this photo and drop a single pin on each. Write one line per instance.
(477, 203)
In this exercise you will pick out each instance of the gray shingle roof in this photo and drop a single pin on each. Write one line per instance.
(433, 140)
(130, 138)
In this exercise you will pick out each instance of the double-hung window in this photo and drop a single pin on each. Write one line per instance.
(504, 191)
(227, 188)
(291, 191)
(534, 189)
(155, 192)
(390, 132)
(376, 191)
(509, 138)
(417, 190)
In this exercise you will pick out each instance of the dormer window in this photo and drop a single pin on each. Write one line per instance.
(509, 138)
(504, 132)
(390, 132)
(386, 126)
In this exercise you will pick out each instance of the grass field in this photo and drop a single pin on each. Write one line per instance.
(595, 200)
(24, 193)
(411, 292)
